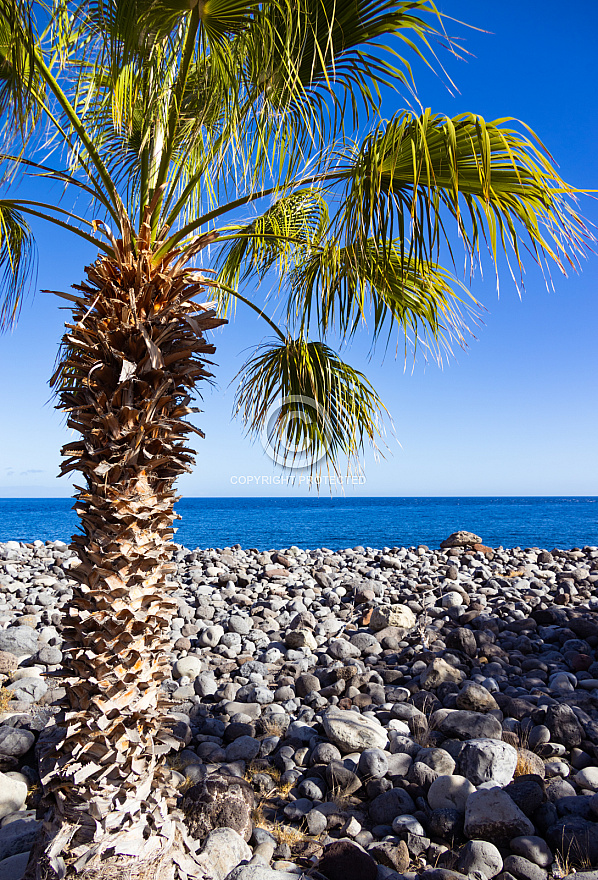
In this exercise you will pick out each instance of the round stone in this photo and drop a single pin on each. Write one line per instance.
(407, 823)
(210, 636)
(189, 666)
(450, 792)
(588, 778)
(239, 623)
(373, 764)
(49, 656)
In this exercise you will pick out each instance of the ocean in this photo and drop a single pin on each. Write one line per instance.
(336, 523)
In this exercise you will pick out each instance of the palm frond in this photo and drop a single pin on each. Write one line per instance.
(20, 84)
(279, 237)
(414, 173)
(340, 288)
(307, 405)
(17, 262)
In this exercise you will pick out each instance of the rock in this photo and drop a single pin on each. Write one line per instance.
(388, 805)
(402, 824)
(244, 748)
(17, 837)
(437, 672)
(392, 855)
(13, 793)
(19, 640)
(352, 732)
(219, 802)
(490, 814)
(49, 655)
(470, 725)
(306, 684)
(475, 698)
(446, 824)
(527, 793)
(482, 856)
(341, 649)
(224, 849)
(316, 822)
(533, 848)
(438, 759)
(523, 869)
(15, 741)
(14, 867)
(588, 778)
(373, 764)
(8, 662)
(300, 638)
(28, 690)
(575, 839)
(460, 539)
(488, 760)
(210, 636)
(205, 684)
(191, 666)
(258, 872)
(531, 763)
(563, 725)
(400, 616)
(341, 781)
(450, 792)
(463, 640)
(346, 860)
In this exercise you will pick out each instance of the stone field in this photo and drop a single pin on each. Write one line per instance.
(366, 714)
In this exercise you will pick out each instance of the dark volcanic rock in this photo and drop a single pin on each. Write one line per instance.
(345, 860)
(216, 802)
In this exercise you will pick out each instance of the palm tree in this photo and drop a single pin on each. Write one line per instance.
(203, 146)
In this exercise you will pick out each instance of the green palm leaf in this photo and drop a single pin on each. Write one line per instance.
(307, 405)
(340, 288)
(414, 173)
(17, 262)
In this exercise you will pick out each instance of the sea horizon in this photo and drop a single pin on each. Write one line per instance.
(336, 521)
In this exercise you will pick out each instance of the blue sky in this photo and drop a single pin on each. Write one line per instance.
(515, 414)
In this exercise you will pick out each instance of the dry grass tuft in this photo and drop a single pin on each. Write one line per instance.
(524, 765)
(273, 725)
(569, 859)
(6, 696)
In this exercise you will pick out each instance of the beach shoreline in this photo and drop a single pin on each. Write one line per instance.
(437, 708)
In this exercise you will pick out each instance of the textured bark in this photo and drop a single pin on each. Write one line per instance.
(130, 360)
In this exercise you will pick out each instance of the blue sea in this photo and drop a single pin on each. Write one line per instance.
(336, 523)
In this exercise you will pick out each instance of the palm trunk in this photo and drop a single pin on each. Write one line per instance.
(130, 360)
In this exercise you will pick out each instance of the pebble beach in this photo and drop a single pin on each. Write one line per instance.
(377, 714)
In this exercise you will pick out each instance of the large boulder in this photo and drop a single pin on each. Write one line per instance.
(460, 539)
(460, 724)
(398, 616)
(223, 850)
(219, 802)
(19, 640)
(346, 860)
(488, 760)
(490, 814)
(13, 794)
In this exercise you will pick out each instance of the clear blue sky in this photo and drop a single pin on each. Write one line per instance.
(515, 414)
